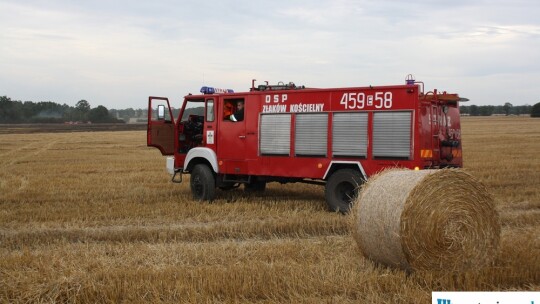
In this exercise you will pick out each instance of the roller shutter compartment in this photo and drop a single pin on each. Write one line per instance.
(392, 134)
(311, 134)
(275, 134)
(349, 134)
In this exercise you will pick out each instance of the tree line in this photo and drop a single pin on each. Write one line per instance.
(506, 109)
(15, 111)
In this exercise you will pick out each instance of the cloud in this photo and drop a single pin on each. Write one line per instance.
(116, 53)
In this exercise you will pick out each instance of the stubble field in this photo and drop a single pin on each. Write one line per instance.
(93, 217)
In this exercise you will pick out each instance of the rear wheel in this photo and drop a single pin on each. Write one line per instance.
(342, 188)
(203, 183)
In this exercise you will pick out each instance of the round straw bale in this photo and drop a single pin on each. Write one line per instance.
(426, 220)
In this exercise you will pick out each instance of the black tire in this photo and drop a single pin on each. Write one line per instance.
(203, 183)
(342, 188)
(255, 187)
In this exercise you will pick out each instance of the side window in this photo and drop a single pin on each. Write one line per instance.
(233, 109)
(210, 110)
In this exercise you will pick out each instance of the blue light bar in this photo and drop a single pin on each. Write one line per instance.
(212, 90)
(409, 80)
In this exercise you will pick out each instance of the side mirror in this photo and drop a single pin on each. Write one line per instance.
(161, 112)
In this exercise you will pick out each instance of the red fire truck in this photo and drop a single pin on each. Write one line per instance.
(284, 133)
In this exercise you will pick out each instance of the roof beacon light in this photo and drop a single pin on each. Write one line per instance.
(409, 80)
(212, 90)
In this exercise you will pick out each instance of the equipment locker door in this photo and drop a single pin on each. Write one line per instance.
(160, 132)
(231, 139)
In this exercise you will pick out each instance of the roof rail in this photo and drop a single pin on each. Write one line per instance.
(279, 86)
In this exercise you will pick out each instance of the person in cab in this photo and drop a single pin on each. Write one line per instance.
(239, 114)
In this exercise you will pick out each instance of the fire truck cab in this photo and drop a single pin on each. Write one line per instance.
(336, 137)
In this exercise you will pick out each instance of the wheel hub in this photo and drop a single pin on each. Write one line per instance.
(345, 192)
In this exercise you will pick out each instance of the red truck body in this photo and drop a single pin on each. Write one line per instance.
(297, 134)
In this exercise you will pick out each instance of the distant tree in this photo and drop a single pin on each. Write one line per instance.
(29, 109)
(10, 110)
(43, 112)
(129, 112)
(69, 114)
(507, 108)
(473, 110)
(81, 110)
(520, 110)
(99, 114)
(83, 106)
(486, 110)
(535, 110)
(498, 110)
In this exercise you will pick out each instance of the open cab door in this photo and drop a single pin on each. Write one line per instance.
(160, 132)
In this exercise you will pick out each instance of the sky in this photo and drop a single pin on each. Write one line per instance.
(117, 53)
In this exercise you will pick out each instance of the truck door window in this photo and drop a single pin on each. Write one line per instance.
(233, 109)
(160, 111)
(227, 110)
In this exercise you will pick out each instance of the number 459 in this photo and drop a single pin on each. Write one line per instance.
(353, 100)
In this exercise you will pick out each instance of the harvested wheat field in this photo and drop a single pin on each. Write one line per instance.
(93, 217)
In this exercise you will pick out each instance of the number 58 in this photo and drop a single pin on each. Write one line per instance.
(383, 100)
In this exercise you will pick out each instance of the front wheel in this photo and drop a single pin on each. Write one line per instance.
(341, 189)
(203, 183)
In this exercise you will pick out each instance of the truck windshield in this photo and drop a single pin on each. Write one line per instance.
(193, 107)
